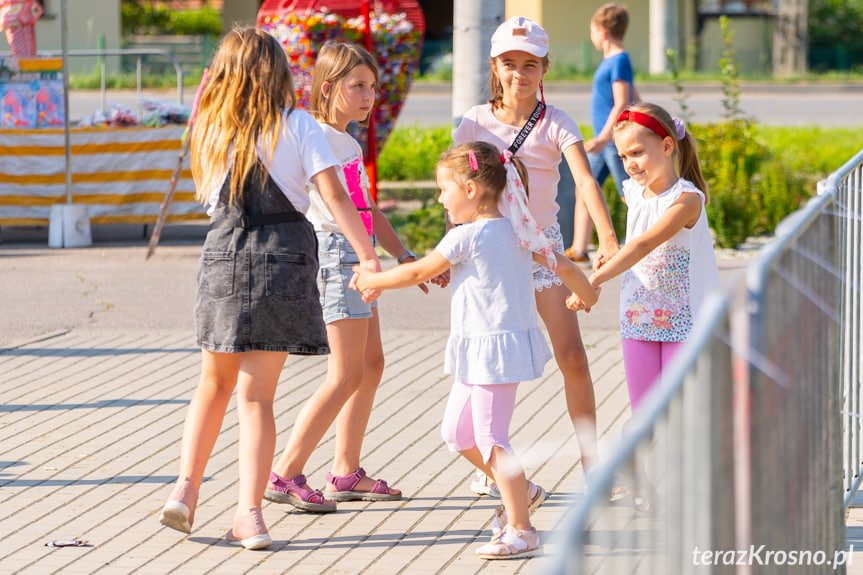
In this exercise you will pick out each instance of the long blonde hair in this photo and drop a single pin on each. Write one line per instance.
(685, 154)
(335, 61)
(248, 88)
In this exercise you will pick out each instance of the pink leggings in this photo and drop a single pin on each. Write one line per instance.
(644, 362)
(479, 415)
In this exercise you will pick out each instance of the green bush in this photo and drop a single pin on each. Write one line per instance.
(144, 17)
(206, 21)
(421, 229)
(411, 153)
(730, 160)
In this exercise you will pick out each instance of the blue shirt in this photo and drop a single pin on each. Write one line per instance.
(610, 70)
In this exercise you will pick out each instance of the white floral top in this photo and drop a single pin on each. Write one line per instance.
(660, 295)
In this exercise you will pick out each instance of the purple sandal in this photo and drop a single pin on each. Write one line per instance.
(292, 492)
(345, 488)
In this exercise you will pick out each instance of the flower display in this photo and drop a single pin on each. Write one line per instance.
(396, 46)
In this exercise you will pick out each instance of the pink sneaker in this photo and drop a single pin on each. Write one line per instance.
(179, 512)
(249, 530)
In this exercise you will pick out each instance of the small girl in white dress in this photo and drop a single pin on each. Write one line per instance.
(495, 340)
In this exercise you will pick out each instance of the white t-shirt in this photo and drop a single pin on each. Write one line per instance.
(494, 332)
(352, 175)
(661, 295)
(540, 152)
(301, 152)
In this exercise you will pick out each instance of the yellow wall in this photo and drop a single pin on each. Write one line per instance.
(85, 21)
(752, 42)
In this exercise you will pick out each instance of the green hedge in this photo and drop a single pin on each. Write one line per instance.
(757, 175)
(145, 17)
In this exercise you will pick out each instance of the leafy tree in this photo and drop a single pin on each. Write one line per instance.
(835, 22)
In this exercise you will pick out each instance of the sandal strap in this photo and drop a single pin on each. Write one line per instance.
(295, 485)
(346, 482)
(380, 486)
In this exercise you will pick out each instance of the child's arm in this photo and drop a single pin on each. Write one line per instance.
(389, 239)
(573, 278)
(586, 185)
(405, 275)
(622, 92)
(682, 213)
(345, 213)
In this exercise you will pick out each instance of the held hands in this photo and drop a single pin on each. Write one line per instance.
(441, 280)
(575, 303)
(604, 254)
(360, 280)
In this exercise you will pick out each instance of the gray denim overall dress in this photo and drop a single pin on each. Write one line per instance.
(257, 276)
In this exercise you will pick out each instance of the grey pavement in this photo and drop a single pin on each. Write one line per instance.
(98, 363)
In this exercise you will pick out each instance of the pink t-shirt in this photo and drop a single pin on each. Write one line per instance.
(540, 152)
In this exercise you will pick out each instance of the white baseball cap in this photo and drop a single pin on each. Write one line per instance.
(521, 34)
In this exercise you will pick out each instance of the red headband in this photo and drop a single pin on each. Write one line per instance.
(648, 122)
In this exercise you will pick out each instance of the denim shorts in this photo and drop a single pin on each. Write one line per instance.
(337, 259)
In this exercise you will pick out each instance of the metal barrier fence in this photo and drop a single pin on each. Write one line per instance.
(746, 455)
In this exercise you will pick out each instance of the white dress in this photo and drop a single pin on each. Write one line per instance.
(494, 332)
(660, 296)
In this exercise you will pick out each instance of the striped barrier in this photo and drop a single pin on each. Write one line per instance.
(122, 175)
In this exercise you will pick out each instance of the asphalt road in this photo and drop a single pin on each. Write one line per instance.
(772, 104)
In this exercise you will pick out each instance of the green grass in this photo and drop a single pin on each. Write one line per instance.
(128, 81)
(814, 151)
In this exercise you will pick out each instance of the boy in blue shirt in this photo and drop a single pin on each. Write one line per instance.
(613, 90)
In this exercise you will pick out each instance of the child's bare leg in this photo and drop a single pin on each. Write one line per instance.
(353, 419)
(562, 325)
(347, 340)
(256, 388)
(206, 411)
(509, 476)
(512, 484)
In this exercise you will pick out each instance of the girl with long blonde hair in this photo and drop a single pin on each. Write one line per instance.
(257, 297)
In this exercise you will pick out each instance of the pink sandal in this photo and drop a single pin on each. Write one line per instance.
(345, 488)
(292, 492)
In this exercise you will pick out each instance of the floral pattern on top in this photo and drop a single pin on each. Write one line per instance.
(659, 308)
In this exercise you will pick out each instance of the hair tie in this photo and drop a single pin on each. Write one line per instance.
(648, 122)
(506, 156)
(471, 158)
(680, 127)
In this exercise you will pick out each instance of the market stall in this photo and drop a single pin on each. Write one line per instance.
(121, 175)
